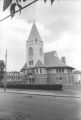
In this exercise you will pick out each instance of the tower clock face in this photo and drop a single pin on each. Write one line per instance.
(41, 52)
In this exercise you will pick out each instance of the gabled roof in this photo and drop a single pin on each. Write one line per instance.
(34, 34)
(39, 64)
(24, 67)
(51, 60)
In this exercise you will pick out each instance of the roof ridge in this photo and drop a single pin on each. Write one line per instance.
(50, 52)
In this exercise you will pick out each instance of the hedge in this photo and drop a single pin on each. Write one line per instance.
(35, 87)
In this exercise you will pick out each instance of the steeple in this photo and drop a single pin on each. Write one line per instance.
(34, 34)
(34, 47)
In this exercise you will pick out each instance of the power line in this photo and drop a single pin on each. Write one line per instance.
(19, 10)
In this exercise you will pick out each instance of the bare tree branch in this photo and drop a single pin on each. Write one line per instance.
(19, 10)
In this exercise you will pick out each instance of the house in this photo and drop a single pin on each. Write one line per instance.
(77, 76)
(47, 67)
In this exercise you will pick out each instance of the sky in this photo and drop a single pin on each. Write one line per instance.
(59, 26)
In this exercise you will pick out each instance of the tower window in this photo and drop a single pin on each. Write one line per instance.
(36, 40)
(30, 51)
(41, 52)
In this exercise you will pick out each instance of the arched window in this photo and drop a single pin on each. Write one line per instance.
(41, 52)
(30, 51)
(36, 40)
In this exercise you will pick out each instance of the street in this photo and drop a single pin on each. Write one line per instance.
(34, 107)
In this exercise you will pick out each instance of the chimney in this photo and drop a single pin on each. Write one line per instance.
(63, 59)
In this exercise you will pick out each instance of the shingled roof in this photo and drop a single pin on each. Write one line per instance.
(52, 60)
(39, 64)
(24, 67)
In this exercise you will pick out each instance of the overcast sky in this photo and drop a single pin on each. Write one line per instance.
(59, 26)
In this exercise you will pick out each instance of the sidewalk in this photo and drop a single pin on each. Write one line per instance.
(72, 94)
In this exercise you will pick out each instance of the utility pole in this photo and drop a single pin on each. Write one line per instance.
(5, 72)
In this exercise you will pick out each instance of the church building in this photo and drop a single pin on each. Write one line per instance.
(47, 67)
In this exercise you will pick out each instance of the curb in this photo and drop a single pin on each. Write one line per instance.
(38, 94)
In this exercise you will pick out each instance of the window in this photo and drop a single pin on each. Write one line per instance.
(60, 78)
(62, 70)
(35, 40)
(36, 70)
(41, 52)
(64, 78)
(56, 78)
(33, 70)
(57, 70)
(30, 52)
(40, 70)
(31, 62)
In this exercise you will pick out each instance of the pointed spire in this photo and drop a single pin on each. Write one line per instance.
(33, 21)
(34, 34)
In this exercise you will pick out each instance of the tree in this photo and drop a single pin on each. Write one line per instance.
(2, 66)
(18, 3)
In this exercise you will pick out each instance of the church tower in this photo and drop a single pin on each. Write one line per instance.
(34, 48)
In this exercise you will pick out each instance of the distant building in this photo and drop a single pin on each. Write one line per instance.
(47, 67)
(77, 76)
(1, 71)
(13, 77)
